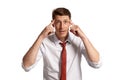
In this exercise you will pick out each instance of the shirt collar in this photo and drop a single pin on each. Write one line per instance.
(69, 39)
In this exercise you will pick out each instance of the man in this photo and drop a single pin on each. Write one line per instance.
(61, 49)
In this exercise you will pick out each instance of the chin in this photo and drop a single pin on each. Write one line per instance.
(64, 35)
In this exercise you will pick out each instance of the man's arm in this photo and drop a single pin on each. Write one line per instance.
(30, 57)
(92, 53)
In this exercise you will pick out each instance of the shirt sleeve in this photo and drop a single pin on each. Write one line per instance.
(92, 64)
(39, 55)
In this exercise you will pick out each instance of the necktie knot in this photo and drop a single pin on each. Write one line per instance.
(63, 44)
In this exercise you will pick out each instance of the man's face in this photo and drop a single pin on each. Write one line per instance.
(61, 25)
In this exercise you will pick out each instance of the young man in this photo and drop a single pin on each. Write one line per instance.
(61, 49)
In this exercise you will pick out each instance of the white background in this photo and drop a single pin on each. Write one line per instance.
(21, 21)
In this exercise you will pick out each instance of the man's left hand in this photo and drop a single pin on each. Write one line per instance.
(75, 29)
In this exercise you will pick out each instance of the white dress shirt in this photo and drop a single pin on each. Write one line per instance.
(50, 50)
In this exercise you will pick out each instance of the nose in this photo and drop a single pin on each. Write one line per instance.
(61, 25)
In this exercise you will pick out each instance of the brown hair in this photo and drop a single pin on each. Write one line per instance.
(61, 11)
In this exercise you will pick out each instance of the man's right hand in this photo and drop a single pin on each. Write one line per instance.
(48, 30)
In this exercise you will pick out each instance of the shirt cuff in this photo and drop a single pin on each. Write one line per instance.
(27, 68)
(96, 64)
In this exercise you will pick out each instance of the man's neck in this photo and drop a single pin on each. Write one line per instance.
(62, 39)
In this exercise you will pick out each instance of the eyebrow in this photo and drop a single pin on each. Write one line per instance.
(63, 20)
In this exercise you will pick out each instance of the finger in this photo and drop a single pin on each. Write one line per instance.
(52, 23)
(51, 30)
(72, 23)
(74, 32)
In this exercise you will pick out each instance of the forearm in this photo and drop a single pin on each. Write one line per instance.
(30, 56)
(92, 53)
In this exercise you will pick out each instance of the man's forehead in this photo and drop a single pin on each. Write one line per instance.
(63, 17)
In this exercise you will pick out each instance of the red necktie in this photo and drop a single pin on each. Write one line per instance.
(63, 61)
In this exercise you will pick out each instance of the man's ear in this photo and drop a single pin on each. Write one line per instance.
(70, 23)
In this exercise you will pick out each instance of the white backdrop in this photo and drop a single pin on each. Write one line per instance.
(21, 21)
